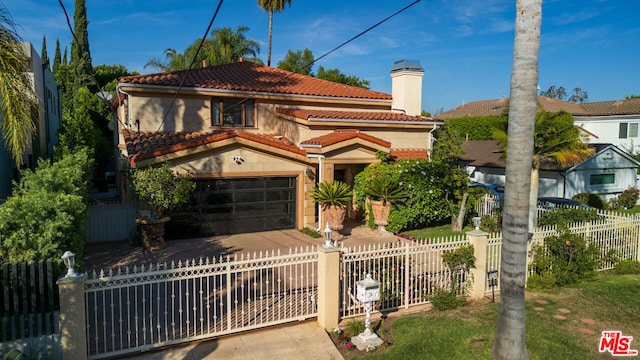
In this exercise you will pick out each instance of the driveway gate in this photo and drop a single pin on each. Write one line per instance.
(137, 309)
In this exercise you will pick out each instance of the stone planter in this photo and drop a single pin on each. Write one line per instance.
(381, 213)
(153, 232)
(335, 216)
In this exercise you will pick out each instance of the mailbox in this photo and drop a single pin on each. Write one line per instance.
(368, 290)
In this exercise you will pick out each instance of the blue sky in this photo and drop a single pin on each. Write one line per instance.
(465, 46)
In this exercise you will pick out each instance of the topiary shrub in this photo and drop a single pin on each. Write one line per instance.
(446, 300)
(593, 200)
(563, 217)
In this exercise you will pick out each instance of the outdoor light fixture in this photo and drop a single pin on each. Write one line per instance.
(310, 173)
(476, 223)
(327, 236)
(69, 260)
(367, 291)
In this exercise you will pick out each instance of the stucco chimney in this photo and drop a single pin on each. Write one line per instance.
(406, 86)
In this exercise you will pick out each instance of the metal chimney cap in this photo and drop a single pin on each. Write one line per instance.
(411, 65)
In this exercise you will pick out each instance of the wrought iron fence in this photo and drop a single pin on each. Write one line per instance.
(139, 308)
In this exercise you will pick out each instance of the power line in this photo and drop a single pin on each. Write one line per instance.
(363, 32)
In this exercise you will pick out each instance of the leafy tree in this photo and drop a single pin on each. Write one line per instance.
(43, 53)
(556, 139)
(299, 62)
(579, 96)
(223, 47)
(163, 189)
(46, 214)
(18, 101)
(559, 93)
(475, 127)
(57, 58)
(107, 76)
(336, 76)
(448, 144)
(632, 96)
(77, 130)
(80, 54)
(272, 6)
(510, 340)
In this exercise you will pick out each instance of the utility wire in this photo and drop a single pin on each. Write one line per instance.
(184, 78)
(362, 33)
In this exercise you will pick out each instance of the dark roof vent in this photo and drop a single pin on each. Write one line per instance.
(410, 65)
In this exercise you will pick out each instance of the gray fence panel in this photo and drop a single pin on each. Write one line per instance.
(110, 222)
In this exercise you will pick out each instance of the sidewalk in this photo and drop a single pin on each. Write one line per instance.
(305, 340)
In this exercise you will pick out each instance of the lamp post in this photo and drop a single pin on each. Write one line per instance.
(69, 260)
(476, 222)
(367, 291)
(328, 242)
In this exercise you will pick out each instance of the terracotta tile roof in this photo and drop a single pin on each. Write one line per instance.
(251, 77)
(350, 115)
(343, 135)
(410, 154)
(495, 107)
(147, 145)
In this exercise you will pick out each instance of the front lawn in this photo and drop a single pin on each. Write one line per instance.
(563, 323)
(436, 232)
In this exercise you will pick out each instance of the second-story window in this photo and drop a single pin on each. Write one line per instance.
(234, 113)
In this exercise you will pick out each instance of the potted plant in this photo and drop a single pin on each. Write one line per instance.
(162, 190)
(334, 197)
(382, 192)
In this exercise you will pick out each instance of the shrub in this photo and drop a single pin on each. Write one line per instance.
(593, 200)
(47, 211)
(563, 217)
(427, 185)
(565, 259)
(627, 267)
(310, 232)
(446, 300)
(491, 223)
(629, 197)
(163, 189)
(355, 327)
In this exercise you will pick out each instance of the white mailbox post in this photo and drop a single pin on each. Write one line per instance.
(367, 291)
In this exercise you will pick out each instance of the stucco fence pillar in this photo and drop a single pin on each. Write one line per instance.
(478, 239)
(328, 287)
(73, 322)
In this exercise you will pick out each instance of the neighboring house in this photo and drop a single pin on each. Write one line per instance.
(48, 122)
(607, 173)
(257, 138)
(612, 122)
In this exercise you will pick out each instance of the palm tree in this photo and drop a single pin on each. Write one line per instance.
(18, 101)
(557, 140)
(271, 6)
(510, 331)
(228, 45)
(224, 46)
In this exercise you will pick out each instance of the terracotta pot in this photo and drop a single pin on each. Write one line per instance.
(381, 213)
(335, 216)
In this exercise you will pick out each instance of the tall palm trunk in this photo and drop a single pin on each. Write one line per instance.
(533, 197)
(510, 332)
(270, 33)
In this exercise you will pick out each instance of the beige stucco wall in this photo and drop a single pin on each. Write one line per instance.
(186, 114)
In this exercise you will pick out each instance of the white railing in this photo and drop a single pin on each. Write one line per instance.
(140, 308)
(408, 273)
(488, 205)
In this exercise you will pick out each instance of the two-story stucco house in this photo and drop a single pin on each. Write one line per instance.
(257, 139)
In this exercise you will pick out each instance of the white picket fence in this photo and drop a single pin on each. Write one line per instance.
(141, 308)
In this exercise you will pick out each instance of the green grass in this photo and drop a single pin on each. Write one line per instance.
(468, 332)
(633, 210)
(436, 232)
